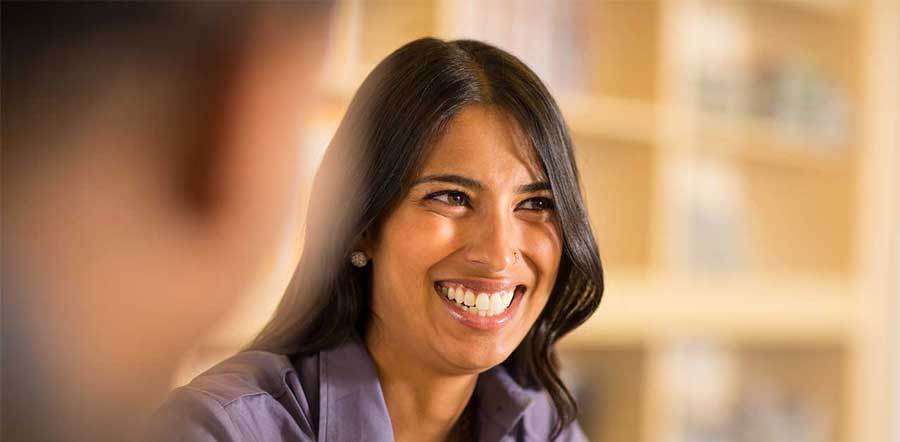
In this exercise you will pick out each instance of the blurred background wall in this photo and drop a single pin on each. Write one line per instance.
(740, 163)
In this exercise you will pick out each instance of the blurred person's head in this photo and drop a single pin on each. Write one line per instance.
(151, 152)
(462, 189)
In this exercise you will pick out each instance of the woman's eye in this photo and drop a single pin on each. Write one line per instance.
(538, 204)
(450, 197)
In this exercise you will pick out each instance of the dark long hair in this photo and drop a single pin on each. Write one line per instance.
(403, 106)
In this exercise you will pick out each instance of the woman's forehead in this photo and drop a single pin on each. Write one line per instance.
(486, 142)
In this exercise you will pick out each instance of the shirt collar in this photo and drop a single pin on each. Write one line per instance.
(353, 408)
(351, 402)
(501, 403)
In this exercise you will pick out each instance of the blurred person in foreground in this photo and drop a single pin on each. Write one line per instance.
(150, 158)
(442, 270)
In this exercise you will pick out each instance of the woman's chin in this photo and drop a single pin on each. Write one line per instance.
(476, 358)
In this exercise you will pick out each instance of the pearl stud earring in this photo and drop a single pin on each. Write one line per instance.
(359, 259)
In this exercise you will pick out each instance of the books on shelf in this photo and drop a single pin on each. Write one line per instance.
(549, 36)
(714, 395)
(731, 73)
(798, 101)
(709, 216)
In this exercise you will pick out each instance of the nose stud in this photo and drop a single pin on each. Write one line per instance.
(515, 256)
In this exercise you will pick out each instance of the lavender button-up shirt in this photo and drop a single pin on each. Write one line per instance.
(329, 397)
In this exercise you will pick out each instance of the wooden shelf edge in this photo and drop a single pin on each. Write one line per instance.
(767, 310)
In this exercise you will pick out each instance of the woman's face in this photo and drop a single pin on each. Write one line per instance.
(466, 261)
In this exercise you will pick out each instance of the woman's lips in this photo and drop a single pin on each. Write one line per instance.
(484, 318)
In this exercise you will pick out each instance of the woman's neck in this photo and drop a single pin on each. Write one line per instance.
(423, 404)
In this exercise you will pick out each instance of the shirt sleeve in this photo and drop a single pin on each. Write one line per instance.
(191, 416)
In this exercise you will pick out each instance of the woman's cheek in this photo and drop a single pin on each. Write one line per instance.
(422, 238)
(545, 245)
(430, 232)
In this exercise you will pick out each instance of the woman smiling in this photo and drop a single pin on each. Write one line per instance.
(447, 251)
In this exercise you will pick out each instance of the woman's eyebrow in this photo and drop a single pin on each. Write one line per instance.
(534, 187)
(455, 179)
(474, 184)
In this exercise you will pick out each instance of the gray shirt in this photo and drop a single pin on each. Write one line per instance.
(332, 396)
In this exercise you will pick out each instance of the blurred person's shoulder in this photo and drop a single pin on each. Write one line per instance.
(251, 395)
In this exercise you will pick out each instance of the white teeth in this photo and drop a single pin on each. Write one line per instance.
(496, 304)
(483, 302)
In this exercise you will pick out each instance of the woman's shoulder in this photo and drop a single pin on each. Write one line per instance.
(252, 392)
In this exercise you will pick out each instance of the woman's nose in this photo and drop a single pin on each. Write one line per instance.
(490, 247)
